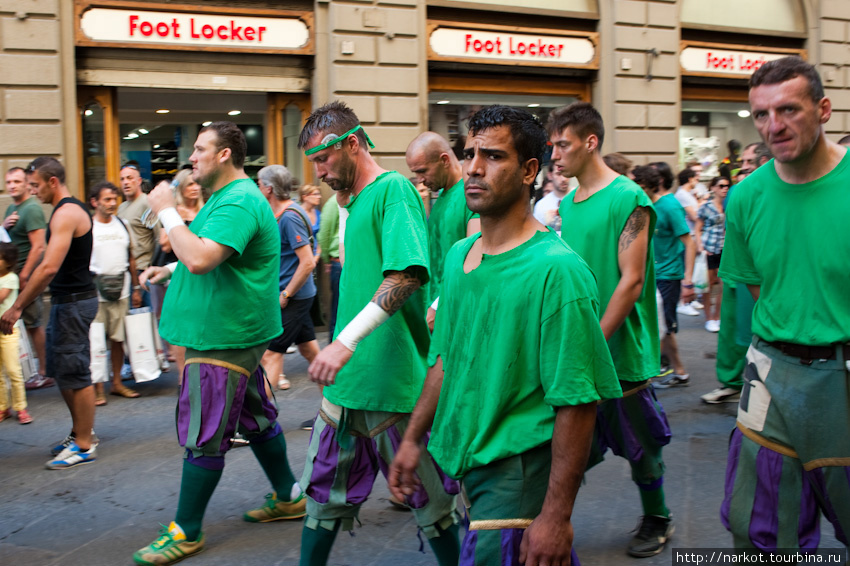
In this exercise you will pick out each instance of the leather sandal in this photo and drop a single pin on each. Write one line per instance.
(126, 392)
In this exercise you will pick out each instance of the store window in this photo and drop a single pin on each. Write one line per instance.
(708, 127)
(449, 111)
(158, 127)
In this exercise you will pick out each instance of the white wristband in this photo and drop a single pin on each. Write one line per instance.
(171, 266)
(435, 303)
(371, 317)
(170, 218)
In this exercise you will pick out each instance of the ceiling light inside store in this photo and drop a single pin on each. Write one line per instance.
(534, 105)
(131, 136)
(156, 146)
(163, 111)
(143, 131)
(443, 101)
(744, 113)
(88, 112)
(207, 123)
(234, 113)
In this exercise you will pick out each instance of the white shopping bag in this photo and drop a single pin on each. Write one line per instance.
(99, 363)
(141, 345)
(28, 367)
(700, 275)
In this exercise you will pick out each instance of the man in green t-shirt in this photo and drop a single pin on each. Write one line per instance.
(736, 308)
(786, 239)
(609, 222)
(217, 307)
(374, 370)
(26, 226)
(675, 253)
(432, 160)
(518, 361)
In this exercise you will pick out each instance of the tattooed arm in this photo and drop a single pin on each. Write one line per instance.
(631, 257)
(396, 288)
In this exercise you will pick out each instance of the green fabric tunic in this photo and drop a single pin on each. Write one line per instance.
(592, 228)
(518, 336)
(794, 241)
(385, 231)
(231, 306)
(446, 225)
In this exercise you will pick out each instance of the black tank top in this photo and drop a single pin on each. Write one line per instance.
(73, 275)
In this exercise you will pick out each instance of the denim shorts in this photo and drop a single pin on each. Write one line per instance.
(68, 348)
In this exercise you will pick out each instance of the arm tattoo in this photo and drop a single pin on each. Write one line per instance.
(634, 225)
(397, 287)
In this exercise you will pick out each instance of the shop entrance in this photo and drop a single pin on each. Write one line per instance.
(157, 128)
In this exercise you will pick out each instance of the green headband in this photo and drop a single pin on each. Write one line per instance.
(334, 139)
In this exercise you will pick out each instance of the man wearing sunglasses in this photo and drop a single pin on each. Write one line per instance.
(374, 369)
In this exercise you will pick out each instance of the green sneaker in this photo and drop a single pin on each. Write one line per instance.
(275, 510)
(170, 547)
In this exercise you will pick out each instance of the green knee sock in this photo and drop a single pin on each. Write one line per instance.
(196, 488)
(272, 457)
(653, 501)
(316, 544)
(446, 547)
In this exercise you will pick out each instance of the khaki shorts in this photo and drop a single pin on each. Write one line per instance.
(33, 314)
(112, 315)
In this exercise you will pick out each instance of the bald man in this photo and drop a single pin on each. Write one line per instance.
(432, 160)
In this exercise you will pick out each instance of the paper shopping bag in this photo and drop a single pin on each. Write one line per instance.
(141, 345)
(28, 367)
(99, 364)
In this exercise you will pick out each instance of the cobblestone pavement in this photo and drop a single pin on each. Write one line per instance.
(101, 513)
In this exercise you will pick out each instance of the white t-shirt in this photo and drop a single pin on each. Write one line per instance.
(546, 211)
(109, 252)
(686, 199)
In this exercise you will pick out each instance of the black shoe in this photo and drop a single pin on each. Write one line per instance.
(307, 425)
(653, 533)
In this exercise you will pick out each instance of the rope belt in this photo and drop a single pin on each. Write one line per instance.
(372, 433)
(219, 363)
(629, 393)
(785, 451)
(499, 524)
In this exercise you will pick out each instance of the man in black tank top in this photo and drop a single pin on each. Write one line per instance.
(65, 268)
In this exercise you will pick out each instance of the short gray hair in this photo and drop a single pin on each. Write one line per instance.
(279, 179)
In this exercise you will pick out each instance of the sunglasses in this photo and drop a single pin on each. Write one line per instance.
(723, 186)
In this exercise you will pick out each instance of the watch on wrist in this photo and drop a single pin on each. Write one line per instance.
(284, 294)
(688, 286)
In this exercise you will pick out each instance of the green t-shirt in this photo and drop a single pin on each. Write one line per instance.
(385, 231)
(446, 225)
(518, 335)
(669, 249)
(592, 228)
(236, 304)
(794, 241)
(30, 217)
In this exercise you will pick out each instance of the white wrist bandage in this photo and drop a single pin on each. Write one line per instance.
(435, 303)
(371, 317)
(170, 218)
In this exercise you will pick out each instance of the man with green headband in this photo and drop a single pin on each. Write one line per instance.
(374, 369)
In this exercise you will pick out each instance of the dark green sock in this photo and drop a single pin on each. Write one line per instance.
(196, 488)
(446, 547)
(653, 501)
(272, 458)
(316, 544)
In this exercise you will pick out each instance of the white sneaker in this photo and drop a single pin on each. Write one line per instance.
(697, 305)
(712, 325)
(292, 349)
(687, 310)
(283, 383)
(722, 395)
